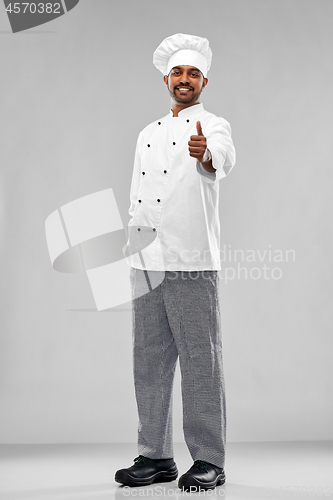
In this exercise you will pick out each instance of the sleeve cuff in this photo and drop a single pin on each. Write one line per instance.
(207, 176)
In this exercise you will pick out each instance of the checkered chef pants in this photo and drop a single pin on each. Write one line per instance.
(179, 317)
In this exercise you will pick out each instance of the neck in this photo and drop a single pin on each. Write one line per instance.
(176, 107)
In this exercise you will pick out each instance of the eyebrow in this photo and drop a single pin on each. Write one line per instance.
(191, 69)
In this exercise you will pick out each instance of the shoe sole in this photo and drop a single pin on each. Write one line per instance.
(162, 476)
(190, 484)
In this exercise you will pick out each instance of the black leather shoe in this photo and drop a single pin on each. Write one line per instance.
(202, 476)
(147, 471)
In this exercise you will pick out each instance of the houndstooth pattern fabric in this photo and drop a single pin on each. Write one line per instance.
(179, 318)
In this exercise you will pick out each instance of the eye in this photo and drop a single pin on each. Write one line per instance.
(194, 75)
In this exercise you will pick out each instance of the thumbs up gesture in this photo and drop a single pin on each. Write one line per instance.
(197, 144)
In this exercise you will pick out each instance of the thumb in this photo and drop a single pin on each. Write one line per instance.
(199, 129)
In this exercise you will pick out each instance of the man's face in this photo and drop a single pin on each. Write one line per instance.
(185, 84)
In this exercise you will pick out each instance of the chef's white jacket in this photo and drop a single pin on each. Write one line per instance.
(174, 201)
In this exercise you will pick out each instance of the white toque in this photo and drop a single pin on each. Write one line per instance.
(181, 49)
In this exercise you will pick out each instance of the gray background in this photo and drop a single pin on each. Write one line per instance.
(75, 93)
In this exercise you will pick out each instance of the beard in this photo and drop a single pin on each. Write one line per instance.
(192, 97)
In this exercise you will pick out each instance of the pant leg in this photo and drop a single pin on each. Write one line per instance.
(193, 311)
(154, 361)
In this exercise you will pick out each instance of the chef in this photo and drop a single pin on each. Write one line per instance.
(174, 199)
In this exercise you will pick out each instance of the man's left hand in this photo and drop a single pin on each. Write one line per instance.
(197, 144)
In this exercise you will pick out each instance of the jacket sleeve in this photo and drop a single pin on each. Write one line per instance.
(136, 177)
(219, 142)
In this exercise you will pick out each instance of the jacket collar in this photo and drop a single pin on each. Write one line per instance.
(189, 112)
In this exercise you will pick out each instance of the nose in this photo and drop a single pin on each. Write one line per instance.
(184, 81)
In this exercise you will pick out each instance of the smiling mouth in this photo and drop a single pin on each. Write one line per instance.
(183, 89)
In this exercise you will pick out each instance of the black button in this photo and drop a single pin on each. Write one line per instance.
(154, 229)
(159, 123)
(148, 145)
(139, 201)
(139, 229)
(187, 121)
(158, 199)
(143, 173)
(174, 143)
(165, 171)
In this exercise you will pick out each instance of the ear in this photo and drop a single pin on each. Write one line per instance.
(204, 83)
(166, 79)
